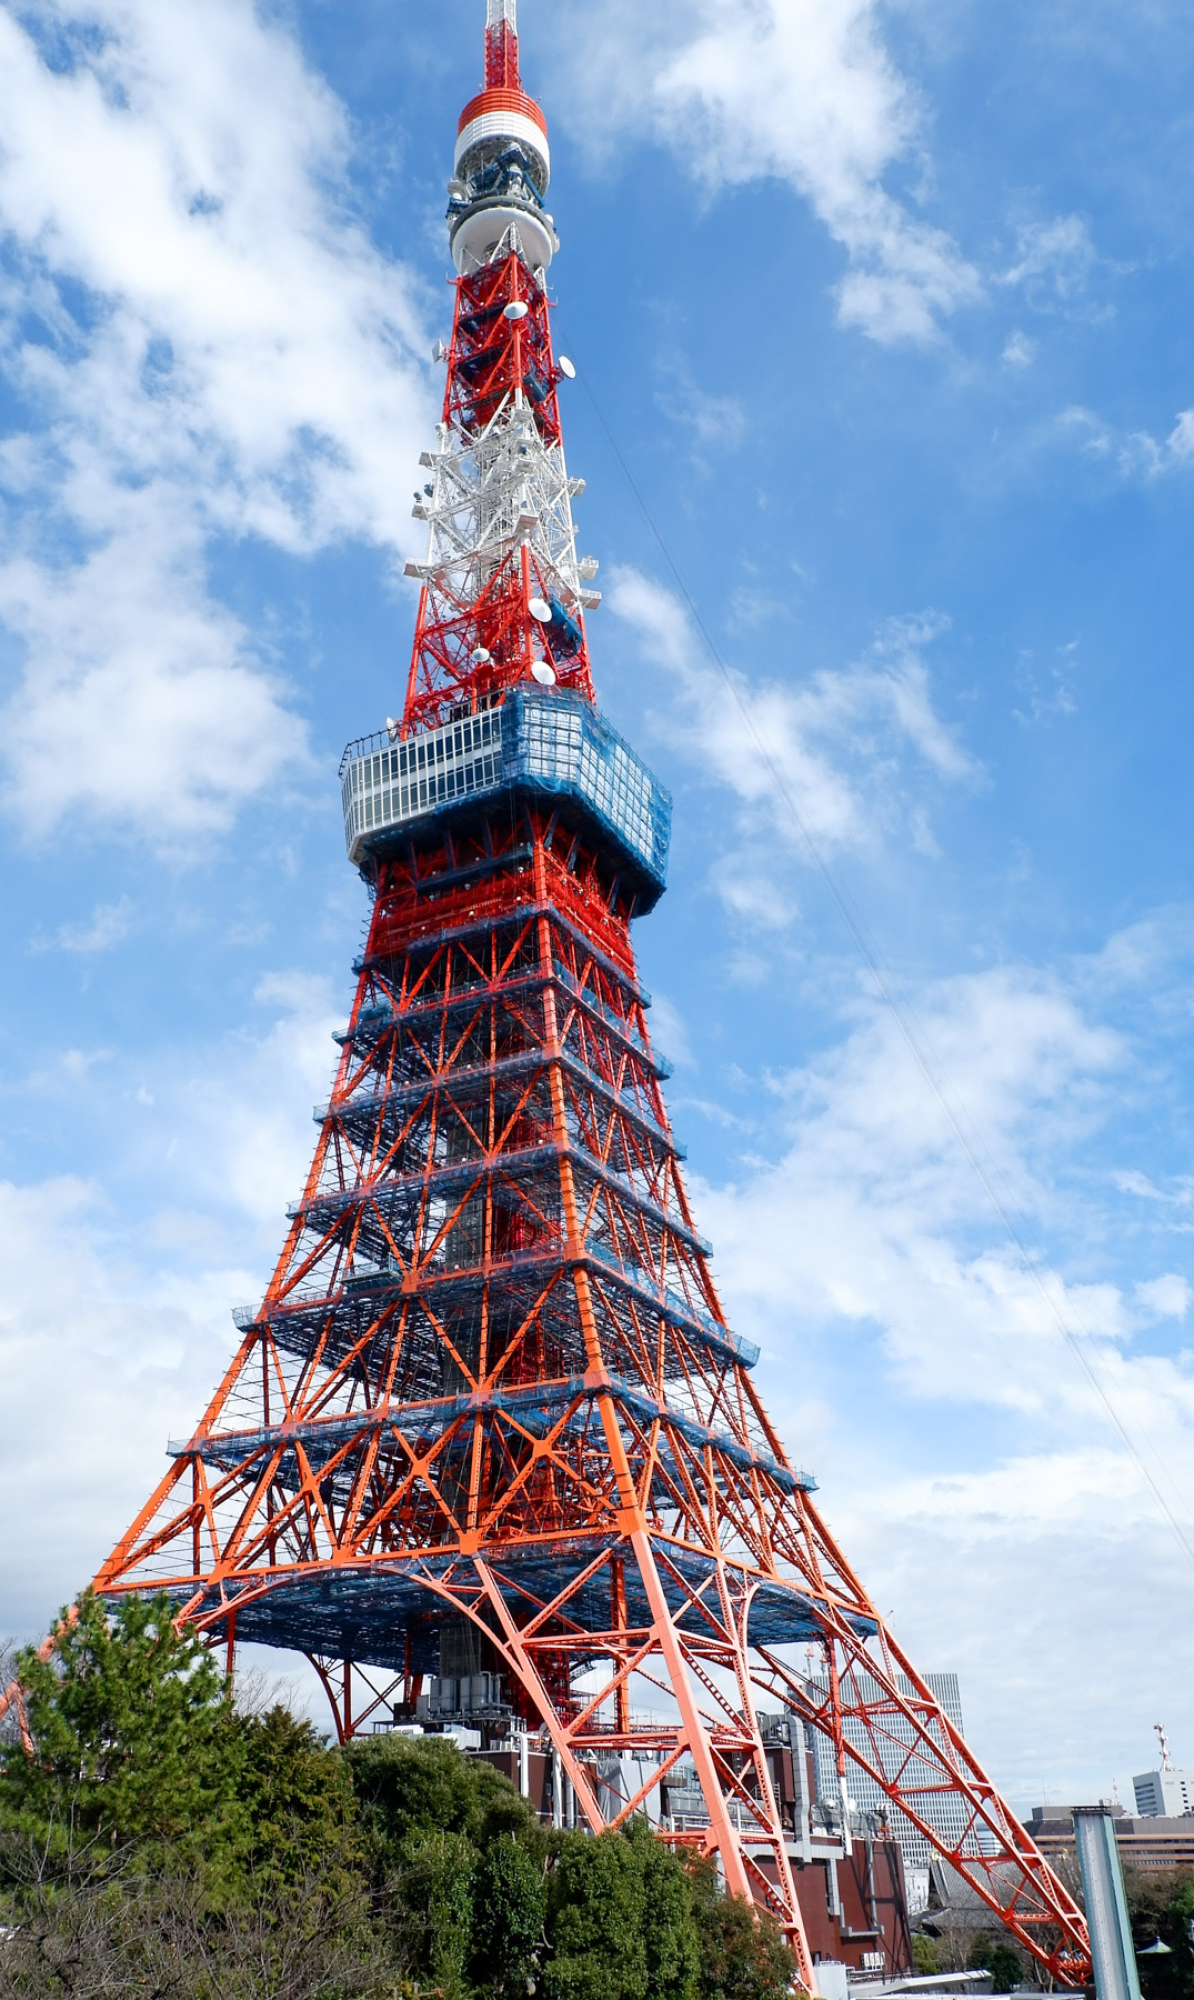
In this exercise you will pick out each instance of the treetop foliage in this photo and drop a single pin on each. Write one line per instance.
(158, 1843)
(1161, 1906)
(134, 1731)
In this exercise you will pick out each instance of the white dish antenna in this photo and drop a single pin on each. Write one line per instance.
(545, 675)
(540, 609)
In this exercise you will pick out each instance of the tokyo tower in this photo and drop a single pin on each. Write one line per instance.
(488, 1450)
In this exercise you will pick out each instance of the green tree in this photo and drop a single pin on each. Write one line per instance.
(1162, 1906)
(620, 1919)
(509, 1913)
(924, 1955)
(670, 1938)
(742, 1951)
(134, 1738)
(596, 1916)
(430, 1902)
(407, 1784)
(299, 1804)
(999, 1957)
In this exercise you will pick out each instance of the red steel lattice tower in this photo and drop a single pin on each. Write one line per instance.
(489, 1450)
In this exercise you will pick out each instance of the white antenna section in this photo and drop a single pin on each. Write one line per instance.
(503, 11)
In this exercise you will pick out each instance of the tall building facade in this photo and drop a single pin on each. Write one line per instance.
(872, 1801)
(1164, 1794)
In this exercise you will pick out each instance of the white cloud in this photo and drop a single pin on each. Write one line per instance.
(1181, 439)
(1139, 453)
(245, 1112)
(669, 1031)
(1167, 1297)
(717, 423)
(835, 746)
(874, 1215)
(207, 346)
(799, 90)
(115, 1322)
(1054, 259)
(1135, 454)
(971, 1468)
(1044, 704)
(1002, 1573)
(108, 925)
(1018, 350)
(100, 1364)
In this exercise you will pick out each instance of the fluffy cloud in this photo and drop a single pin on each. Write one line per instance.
(205, 345)
(1133, 454)
(1054, 259)
(109, 925)
(799, 90)
(115, 1321)
(874, 1212)
(101, 1361)
(825, 758)
(971, 1454)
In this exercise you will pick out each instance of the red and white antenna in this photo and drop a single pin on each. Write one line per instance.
(1166, 1759)
(503, 161)
(501, 46)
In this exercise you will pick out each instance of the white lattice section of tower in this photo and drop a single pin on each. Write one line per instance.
(503, 11)
(492, 493)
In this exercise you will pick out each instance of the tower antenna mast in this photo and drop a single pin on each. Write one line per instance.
(501, 46)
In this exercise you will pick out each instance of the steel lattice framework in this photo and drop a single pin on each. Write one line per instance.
(491, 1387)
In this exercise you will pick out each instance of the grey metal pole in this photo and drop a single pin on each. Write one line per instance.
(1111, 1945)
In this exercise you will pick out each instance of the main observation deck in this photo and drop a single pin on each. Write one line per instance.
(541, 741)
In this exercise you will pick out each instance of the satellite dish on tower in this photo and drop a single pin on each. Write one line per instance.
(516, 311)
(545, 675)
(566, 368)
(540, 610)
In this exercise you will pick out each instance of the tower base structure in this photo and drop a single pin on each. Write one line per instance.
(488, 1452)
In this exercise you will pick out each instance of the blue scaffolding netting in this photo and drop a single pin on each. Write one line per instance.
(540, 740)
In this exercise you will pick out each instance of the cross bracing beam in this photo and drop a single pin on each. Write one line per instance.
(510, 919)
(484, 925)
(384, 1017)
(461, 1082)
(302, 1320)
(366, 1607)
(229, 1449)
(324, 1207)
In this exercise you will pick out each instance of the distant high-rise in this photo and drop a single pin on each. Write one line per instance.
(944, 1810)
(1164, 1794)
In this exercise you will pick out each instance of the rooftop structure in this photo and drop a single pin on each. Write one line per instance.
(1166, 1793)
(1145, 1841)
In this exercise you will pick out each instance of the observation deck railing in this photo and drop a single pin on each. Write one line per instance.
(540, 739)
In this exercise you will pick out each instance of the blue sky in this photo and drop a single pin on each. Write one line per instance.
(886, 310)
